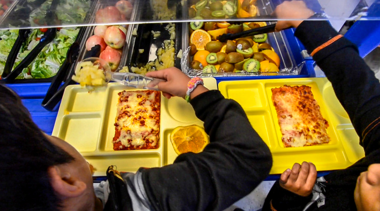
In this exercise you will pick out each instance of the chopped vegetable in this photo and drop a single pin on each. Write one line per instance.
(89, 74)
(49, 60)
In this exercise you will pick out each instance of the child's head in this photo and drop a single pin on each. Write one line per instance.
(37, 172)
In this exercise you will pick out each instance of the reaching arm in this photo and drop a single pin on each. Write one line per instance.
(230, 167)
(353, 81)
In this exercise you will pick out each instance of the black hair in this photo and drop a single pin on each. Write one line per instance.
(25, 156)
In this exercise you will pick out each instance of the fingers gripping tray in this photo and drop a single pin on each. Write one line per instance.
(255, 97)
(86, 121)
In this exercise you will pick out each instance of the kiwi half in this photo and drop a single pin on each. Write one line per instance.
(218, 14)
(230, 8)
(201, 4)
(196, 24)
(212, 58)
(209, 69)
(247, 53)
(260, 37)
(251, 66)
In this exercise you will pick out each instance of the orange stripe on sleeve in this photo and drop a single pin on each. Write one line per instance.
(271, 206)
(324, 45)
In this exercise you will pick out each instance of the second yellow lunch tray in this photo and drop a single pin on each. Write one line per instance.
(255, 97)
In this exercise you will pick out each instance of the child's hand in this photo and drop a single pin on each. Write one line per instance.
(300, 180)
(175, 84)
(291, 10)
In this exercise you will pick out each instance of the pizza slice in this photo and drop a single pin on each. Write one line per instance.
(137, 124)
(299, 116)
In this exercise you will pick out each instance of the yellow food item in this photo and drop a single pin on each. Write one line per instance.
(200, 38)
(262, 24)
(246, 12)
(189, 139)
(201, 56)
(124, 70)
(223, 24)
(217, 67)
(223, 50)
(272, 56)
(268, 67)
(89, 74)
(217, 32)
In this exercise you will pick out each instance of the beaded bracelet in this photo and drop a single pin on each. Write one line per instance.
(193, 83)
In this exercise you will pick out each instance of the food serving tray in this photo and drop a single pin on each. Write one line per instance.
(255, 96)
(86, 121)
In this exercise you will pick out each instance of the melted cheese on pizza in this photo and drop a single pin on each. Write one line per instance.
(299, 116)
(137, 124)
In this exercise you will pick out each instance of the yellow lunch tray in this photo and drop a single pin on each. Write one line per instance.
(86, 121)
(255, 97)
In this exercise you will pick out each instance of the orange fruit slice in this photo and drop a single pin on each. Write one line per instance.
(272, 56)
(268, 67)
(262, 24)
(223, 50)
(189, 139)
(200, 38)
(201, 56)
(223, 24)
(217, 32)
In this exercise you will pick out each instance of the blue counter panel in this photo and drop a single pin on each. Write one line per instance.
(32, 96)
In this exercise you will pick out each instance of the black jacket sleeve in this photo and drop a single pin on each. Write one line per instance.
(230, 167)
(355, 86)
(353, 81)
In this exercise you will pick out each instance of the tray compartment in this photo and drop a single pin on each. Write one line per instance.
(262, 123)
(81, 131)
(249, 95)
(324, 160)
(176, 107)
(83, 102)
(124, 163)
